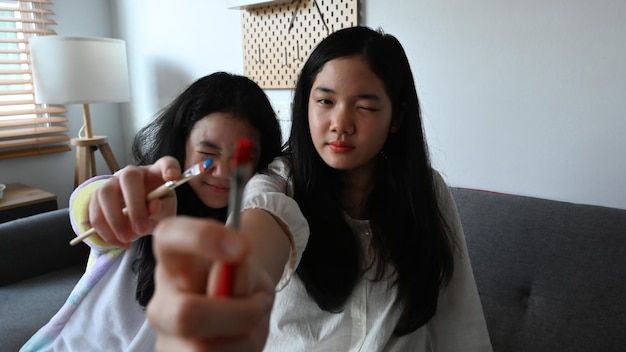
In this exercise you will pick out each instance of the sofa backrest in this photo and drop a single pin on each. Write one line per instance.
(551, 275)
(38, 244)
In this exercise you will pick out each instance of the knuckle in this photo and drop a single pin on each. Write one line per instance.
(169, 314)
(185, 317)
(129, 173)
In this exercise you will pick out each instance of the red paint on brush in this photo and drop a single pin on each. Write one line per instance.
(243, 153)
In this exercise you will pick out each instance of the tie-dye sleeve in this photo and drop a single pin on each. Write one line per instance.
(79, 212)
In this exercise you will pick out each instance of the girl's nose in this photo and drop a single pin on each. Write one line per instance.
(221, 168)
(342, 122)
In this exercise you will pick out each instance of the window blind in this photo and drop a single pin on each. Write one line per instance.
(26, 128)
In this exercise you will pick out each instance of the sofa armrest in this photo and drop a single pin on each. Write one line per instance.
(36, 245)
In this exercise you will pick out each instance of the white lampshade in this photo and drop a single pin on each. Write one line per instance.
(79, 70)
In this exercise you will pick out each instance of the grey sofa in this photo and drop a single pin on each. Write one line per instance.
(38, 269)
(551, 275)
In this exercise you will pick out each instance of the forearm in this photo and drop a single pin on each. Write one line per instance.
(269, 239)
(278, 230)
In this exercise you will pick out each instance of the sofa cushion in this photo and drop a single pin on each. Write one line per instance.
(38, 244)
(28, 305)
(551, 275)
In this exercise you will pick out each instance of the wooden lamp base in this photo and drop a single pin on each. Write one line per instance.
(85, 157)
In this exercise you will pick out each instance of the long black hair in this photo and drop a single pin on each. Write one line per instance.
(408, 229)
(168, 133)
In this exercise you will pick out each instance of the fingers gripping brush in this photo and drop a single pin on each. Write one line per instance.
(241, 171)
(159, 192)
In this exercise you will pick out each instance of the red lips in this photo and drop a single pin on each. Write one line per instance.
(218, 189)
(340, 147)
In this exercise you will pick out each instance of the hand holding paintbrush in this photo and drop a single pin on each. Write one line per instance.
(159, 192)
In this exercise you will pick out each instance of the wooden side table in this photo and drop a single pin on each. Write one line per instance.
(21, 200)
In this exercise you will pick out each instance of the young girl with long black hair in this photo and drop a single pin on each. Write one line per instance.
(106, 310)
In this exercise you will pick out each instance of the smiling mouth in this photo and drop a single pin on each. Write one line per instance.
(218, 189)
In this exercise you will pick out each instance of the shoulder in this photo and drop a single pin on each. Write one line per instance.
(275, 178)
(279, 167)
(441, 187)
(438, 179)
(445, 200)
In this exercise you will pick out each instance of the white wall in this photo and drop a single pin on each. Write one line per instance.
(172, 44)
(526, 97)
(519, 97)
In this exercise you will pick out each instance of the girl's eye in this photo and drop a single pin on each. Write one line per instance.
(207, 153)
(324, 101)
(368, 108)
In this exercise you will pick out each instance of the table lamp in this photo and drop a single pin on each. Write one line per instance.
(81, 70)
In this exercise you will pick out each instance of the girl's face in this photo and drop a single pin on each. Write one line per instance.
(349, 114)
(215, 137)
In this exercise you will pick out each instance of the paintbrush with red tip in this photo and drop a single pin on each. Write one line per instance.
(241, 171)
